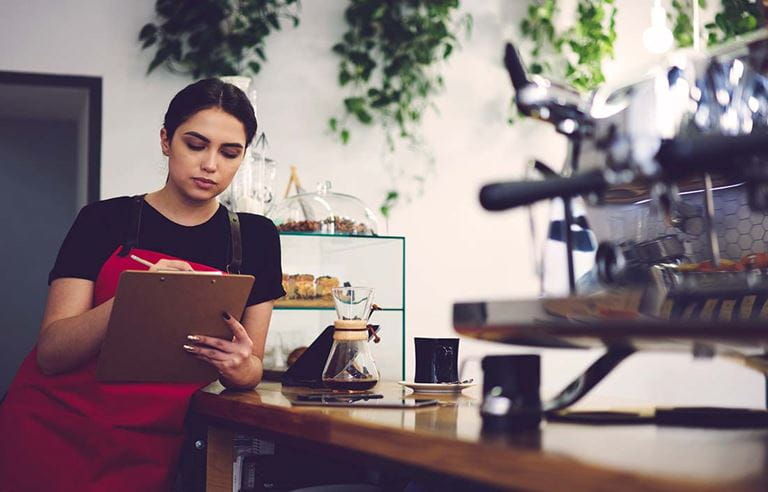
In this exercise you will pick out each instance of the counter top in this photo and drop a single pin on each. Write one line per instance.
(449, 439)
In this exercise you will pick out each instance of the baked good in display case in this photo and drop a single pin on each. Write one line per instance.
(325, 285)
(324, 212)
(304, 290)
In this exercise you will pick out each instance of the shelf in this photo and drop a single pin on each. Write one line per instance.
(317, 303)
(321, 308)
(345, 236)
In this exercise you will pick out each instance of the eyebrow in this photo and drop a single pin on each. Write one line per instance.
(207, 140)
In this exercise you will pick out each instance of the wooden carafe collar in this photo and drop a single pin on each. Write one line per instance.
(353, 329)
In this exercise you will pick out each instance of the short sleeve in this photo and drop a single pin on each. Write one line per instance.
(82, 252)
(262, 259)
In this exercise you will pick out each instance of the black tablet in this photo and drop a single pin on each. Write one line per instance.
(371, 401)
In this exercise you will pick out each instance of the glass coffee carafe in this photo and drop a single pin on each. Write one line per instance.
(350, 365)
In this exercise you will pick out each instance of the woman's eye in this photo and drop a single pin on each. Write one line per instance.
(231, 155)
(195, 147)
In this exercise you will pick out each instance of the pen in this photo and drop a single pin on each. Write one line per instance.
(142, 261)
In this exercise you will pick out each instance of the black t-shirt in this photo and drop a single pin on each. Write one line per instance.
(103, 226)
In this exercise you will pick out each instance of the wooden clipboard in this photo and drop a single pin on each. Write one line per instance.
(151, 317)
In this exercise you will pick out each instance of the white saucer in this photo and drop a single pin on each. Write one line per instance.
(435, 387)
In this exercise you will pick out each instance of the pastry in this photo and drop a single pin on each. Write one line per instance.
(289, 285)
(305, 286)
(325, 285)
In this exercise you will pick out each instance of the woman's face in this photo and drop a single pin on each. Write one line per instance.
(204, 153)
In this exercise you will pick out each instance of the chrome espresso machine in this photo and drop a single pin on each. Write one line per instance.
(672, 172)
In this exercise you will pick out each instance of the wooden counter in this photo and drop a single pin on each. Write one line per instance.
(448, 440)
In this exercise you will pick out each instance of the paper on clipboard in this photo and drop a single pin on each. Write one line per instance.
(151, 317)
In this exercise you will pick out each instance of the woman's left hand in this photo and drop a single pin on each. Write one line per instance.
(233, 359)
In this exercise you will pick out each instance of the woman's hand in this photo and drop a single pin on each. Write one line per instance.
(173, 265)
(234, 359)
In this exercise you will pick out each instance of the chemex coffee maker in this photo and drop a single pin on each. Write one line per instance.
(350, 366)
(340, 357)
(672, 173)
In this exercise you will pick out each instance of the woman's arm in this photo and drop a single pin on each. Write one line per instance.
(240, 361)
(72, 329)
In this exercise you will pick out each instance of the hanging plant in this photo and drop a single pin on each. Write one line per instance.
(574, 55)
(735, 17)
(389, 64)
(208, 38)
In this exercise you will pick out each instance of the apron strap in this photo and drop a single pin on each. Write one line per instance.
(133, 238)
(236, 250)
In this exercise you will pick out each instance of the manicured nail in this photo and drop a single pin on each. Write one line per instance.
(225, 315)
(189, 348)
(193, 338)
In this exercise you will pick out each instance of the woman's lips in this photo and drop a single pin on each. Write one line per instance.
(204, 184)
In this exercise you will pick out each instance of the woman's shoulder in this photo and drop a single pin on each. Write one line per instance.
(107, 210)
(109, 206)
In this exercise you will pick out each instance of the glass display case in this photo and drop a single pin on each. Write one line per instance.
(315, 263)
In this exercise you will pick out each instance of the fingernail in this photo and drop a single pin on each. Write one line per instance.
(225, 315)
(189, 348)
(193, 338)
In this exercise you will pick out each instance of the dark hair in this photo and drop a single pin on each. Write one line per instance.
(210, 93)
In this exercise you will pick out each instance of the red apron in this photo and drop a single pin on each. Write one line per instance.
(71, 433)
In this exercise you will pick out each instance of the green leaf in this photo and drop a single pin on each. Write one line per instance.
(160, 57)
(147, 32)
(354, 104)
(332, 124)
(364, 116)
(390, 201)
(272, 19)
(344, 136)
(254, 66)
(148, 42)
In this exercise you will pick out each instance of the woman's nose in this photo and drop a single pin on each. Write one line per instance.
(209, 163)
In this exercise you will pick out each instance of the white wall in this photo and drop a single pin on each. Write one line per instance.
(455, 250)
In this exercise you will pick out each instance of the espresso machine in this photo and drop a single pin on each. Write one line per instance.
(672, 170)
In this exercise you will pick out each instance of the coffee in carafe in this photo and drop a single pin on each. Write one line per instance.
(350, 365)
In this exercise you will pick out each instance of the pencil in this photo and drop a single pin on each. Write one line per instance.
(142, 261)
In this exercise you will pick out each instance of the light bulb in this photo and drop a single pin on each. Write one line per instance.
(658, 37)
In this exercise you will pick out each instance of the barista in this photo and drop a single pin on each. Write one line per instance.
(60, 429)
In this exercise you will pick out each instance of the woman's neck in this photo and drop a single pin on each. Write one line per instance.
(180, 209)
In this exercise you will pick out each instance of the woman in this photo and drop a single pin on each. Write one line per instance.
(62, 430)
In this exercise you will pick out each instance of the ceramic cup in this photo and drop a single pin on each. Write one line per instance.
(437, 360)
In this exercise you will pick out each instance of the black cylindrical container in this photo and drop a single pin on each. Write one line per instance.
(437, 360)
(511, 398)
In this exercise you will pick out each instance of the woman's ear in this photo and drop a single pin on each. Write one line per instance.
(165, 145)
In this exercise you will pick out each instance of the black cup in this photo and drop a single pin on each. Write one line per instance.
(437, 360)
(511, 398)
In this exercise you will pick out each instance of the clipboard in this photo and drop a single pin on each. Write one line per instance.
(151, 317)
